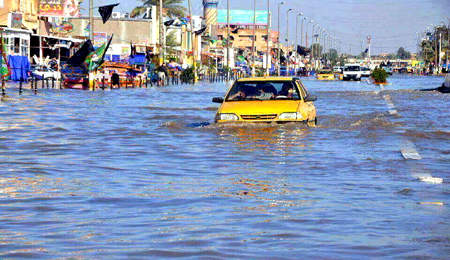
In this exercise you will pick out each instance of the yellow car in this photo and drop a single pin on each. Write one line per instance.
(324, 75)
(267, 99)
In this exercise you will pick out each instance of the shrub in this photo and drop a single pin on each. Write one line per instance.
(379, 75)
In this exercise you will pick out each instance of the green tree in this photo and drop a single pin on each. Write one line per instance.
(333, 56)
(316, 50)
(403, 54)
(171, 39)
(174, 8)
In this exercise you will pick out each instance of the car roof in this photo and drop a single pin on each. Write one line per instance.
(267, 79)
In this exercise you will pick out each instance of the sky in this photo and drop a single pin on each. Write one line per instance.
(390, 23)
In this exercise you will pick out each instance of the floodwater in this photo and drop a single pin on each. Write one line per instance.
(140, 173)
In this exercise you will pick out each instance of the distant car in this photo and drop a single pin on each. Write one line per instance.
(338, 69)
(352, 72)
(365, 72)
(267, 100)
(45, 72)
(388, 70)
(325, 74)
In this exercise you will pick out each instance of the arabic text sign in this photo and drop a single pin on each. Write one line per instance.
(59, 8)
(242, 17)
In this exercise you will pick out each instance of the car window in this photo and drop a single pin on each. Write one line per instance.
(263, 90)
(303, 91)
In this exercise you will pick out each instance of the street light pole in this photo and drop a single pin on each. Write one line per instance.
(267, 29)
(312, 45)
(287, 41)
(228, 39)
(301, 36)
(278, 42)
(253, 39)
(296, 39)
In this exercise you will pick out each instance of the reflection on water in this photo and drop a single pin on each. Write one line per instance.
(144, 173)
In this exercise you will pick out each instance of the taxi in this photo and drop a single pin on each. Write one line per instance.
(325, 75)
(267, 100)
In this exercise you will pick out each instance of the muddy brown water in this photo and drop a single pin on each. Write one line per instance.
(143, 173)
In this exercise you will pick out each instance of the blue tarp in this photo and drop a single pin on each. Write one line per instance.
(137, 59)
(20, 66)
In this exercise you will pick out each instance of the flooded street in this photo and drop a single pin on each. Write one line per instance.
(143, 173)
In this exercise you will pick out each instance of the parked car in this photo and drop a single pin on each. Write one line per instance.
(266, 100)
(365, 72)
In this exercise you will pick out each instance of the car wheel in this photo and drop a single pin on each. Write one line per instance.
(312, 123)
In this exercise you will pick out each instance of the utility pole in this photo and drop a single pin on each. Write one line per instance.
(39, 32)
(161, 35)
(267, 29)
(91, 21)
(228, 39)
(253, 39)
(191, 39)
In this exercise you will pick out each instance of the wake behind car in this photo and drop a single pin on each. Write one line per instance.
(271, 99)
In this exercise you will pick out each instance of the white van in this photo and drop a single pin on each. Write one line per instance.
(352, 72)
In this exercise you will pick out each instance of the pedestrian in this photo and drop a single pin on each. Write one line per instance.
(162, 74)
(115, 79)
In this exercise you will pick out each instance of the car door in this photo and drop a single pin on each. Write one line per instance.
(309, 105)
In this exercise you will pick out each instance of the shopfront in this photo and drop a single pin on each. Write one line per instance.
(17, 41)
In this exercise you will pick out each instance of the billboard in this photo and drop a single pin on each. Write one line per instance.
(15, 20)
(99, 38)
(242, 17)
(59, 8)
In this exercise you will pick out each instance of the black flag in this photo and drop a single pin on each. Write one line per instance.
(133, 50)
(169, 23)
(302, 50)
(235, 30)
(80, 56)
(102, 59)
(106, 11)
(200, 31)
(147, 54)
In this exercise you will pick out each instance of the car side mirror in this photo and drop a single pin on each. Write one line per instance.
(310, 98)
(217, 100)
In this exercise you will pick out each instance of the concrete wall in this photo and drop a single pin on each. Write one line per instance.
(125, 30)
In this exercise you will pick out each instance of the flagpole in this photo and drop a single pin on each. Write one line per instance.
(268, 51)
(161, 35)
(1, 62)
(91, 20)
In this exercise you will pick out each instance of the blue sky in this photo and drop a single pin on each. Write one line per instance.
(390, 23)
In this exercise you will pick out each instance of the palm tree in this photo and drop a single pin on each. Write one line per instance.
(174, 8)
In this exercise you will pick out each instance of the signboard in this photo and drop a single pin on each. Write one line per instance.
(100, 38)
(124, 52)
(273, 35)
(242, 17)
(59, 8)
(15, 20)
(63, 27)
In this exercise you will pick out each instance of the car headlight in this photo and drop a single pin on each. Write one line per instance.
(290, 116)
(227, 117)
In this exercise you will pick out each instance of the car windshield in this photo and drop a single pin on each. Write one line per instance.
(264, 90)
(352, 68)
(324, 72)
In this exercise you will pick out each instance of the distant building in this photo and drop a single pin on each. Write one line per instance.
(141, 32)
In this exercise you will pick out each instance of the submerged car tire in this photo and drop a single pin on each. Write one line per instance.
(312, 123)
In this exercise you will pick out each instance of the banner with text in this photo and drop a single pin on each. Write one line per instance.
(59, 8)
